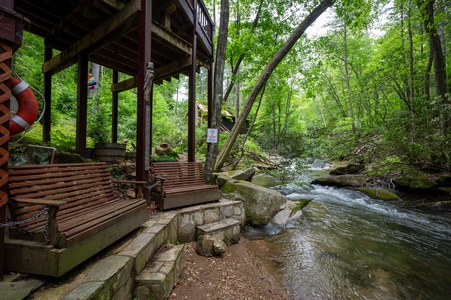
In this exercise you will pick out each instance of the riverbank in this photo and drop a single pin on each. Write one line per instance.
(240, 273)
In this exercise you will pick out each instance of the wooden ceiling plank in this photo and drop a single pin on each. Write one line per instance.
(164, 34)
(115, 57)
(103, 61)
(94, 36)
(116, 4)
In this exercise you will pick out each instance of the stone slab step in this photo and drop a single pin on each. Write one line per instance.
(226, 229)
(161, 274)
(159, 230)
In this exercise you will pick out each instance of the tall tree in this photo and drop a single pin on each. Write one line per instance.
(237, 65)
(218, 88)
(426, 8)
(348, 84)
(266, 73)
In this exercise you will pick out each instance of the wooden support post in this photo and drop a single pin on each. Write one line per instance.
(82, 104)
(192, 91)
(145, 72)
(47, 98)
(11, 24)
(53, 231)
(5, 94)
(114, 109)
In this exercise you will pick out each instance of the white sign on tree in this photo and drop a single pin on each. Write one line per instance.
(212, 135)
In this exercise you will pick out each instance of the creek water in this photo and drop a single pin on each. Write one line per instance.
(349, 246)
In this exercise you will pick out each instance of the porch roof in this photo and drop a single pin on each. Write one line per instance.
(108, 31)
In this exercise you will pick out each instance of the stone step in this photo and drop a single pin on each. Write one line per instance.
(227, 230)
(161, 274)
(190, 217)
(161, 229)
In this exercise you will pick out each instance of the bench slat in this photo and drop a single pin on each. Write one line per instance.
(91, 201)
(179, 179)
(72, 198)
(130, 212)
(27, 186)
(73, 225)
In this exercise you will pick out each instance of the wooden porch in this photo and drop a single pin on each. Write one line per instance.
(150, 40)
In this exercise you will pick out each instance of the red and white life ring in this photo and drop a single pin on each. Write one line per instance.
(24, 103)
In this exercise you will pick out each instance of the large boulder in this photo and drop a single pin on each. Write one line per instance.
(436, 206)
(342, 180)
(349, 169)
(246, 175)
(414, 181)
(265, 180)
(261, 204)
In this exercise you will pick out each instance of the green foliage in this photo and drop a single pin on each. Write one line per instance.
(167, 156)
(62, 141)
(362, 98)
(98, 130)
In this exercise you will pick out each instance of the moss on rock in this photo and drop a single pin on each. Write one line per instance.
(414, 180)
(300, 204)
(378, 194)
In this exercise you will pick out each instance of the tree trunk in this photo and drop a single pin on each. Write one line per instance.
(264, 76)
(240, 59)
(427, 11)
(411, 73)
(218, 88)
(348, 83)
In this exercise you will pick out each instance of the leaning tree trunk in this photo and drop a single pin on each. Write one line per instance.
(264, 76)
(218, 80)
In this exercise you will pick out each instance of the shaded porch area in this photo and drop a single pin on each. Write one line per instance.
(149, 40)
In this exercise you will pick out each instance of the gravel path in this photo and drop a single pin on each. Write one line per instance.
(238, 274)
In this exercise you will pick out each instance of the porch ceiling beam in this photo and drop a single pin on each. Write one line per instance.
(172, 69)
(164, 34)
(67, 56)
(160, 74)
(124, 85)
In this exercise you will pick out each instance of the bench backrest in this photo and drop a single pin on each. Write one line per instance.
(82, 185)
(179, 173)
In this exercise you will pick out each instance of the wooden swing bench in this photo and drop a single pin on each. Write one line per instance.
(179, 184)
(64, 214)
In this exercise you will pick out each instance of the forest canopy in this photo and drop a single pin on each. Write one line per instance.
(368, 82)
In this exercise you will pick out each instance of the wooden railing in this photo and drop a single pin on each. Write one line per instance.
(205, 25)
(204, 20)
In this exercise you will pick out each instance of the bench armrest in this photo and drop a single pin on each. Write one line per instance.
(52, 225)
(150, 187)
(161, 180)
(51, 203)
(139, 185)
(158, 181)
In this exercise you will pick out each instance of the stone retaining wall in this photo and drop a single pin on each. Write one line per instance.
(113, 277)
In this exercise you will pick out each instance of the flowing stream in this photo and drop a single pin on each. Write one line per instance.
(348, 246)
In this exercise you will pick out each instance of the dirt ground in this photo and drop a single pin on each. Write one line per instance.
(240, 273)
